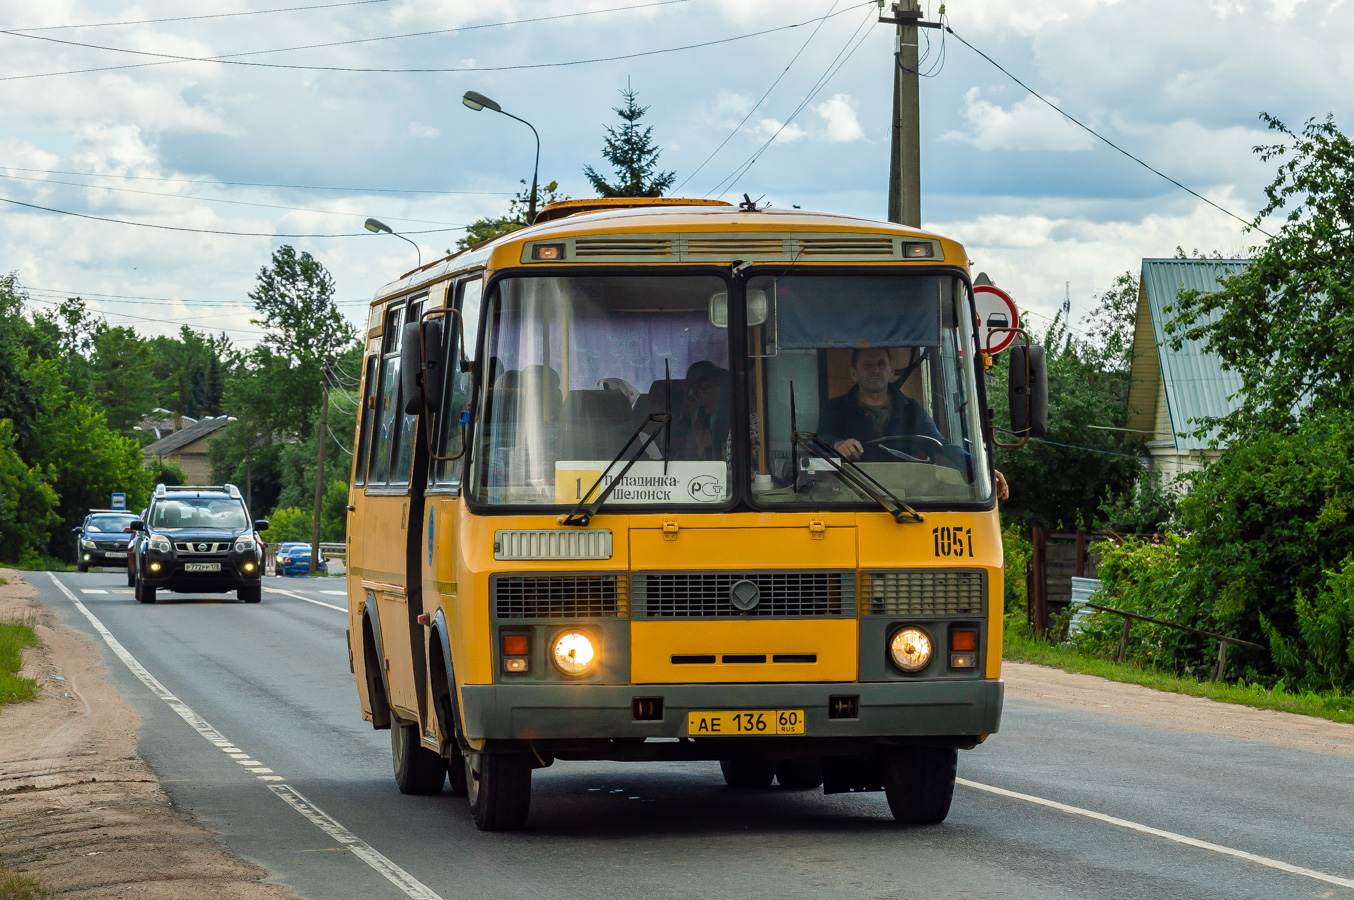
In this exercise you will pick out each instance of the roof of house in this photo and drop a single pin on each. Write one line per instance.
(185, 436)
(1196, 385)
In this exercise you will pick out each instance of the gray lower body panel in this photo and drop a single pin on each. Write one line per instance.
(598, 711)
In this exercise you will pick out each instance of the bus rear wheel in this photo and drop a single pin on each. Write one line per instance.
(498, 786)
(418, 770)
(747, 774)
(919, 783)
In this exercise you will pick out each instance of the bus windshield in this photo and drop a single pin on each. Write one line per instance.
(576, 364)
(878, 369)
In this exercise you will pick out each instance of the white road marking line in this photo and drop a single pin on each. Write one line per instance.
(342, 609)
(92, 591)
(123, 591)
(393, 873)
(361, 849)
(335, 593)
(1168, 835)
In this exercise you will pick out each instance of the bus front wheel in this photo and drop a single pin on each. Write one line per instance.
(919, 783)
(498, 786)
(418, 770)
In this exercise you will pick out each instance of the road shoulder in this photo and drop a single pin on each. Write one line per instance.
(79, 808)
(1177, 712)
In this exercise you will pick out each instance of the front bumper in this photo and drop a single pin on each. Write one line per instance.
(171, 575)
(916, 709)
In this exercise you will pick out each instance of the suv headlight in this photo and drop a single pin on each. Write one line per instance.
(86, 543)
(160, 542)
(245, 545)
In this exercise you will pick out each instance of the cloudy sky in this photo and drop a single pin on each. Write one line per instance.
(309, 120)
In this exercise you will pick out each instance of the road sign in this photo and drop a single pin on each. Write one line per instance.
(995, 309)
(119, 501)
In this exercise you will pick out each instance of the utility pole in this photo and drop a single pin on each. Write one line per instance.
(905, 155)
(322, 433)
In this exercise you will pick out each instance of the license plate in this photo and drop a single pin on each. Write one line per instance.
(202, 567)
(745, 723)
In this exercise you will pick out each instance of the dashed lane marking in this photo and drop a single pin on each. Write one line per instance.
(335, 593)
(411, 886)
(272, 590)
(1168, 835)
(92, 591)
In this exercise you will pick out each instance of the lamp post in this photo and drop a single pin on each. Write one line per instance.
(375, 226)
(477, 101)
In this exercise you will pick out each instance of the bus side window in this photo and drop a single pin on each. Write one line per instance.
(388, 404)
(402, 456)
(456, 392)
(365, 416)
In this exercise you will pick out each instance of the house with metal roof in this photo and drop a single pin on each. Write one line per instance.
(1171, 390)
(188, 448)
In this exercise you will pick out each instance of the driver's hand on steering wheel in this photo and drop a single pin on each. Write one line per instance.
(849, 448)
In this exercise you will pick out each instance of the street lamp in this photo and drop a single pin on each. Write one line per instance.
(375, 226)
(477, 102)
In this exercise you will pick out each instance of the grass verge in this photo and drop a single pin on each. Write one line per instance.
(15, 885)
(14, 637)
(1018, 645)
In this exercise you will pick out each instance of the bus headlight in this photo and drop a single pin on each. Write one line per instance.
(573, 653)
(911, 649)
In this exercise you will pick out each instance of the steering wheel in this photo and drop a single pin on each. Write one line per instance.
(926, 442)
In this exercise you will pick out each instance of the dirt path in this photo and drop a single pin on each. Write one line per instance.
(79, 810)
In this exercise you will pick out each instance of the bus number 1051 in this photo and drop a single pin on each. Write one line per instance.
(953, 541)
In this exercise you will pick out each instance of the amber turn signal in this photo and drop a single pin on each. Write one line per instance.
(964, 640)
(516, 645)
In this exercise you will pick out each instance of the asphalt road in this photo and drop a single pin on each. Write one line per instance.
(294, 780)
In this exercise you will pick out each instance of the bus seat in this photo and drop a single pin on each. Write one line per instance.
(596, 424)
(653, 401)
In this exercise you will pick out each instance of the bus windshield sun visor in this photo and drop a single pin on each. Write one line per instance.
(867, 311)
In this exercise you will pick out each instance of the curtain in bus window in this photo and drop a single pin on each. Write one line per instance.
(367, 412)
(825, 311)
(386, 429)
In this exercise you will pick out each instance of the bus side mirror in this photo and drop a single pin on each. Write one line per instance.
(433, 361)
(411, 368)
(1029, 392)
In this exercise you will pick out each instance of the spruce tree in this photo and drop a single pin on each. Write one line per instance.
(631, 151)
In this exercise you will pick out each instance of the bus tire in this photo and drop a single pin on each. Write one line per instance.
(499, 791)
(799, 774)
(919, 783)
(747, 774)
(456, 771)
(418, 770)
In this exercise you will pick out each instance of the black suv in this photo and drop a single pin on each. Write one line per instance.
(103, 537)
(198, 540)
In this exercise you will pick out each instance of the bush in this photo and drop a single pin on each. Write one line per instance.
(1320, 656)
(290, 524)
(1016, 550)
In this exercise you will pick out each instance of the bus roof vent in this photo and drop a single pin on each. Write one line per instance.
(847, 246)
(640, 246)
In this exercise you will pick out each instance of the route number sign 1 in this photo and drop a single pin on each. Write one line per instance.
(995, 309)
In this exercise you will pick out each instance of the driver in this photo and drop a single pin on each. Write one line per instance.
(874, 408)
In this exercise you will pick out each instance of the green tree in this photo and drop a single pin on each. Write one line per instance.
(488, 228)
(123, 376)
(28, 503)
(632, 153)
(1285, 324)
(18, 395)
(295, 299)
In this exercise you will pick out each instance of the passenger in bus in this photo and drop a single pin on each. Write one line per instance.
(702, 427)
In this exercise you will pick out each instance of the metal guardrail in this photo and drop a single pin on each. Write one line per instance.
(329, 551)
(1222, 639)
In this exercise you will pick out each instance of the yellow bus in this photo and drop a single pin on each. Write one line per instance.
(676, 480)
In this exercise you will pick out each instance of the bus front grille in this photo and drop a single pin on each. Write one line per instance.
(712, 595)
(559, 596)
(922, 593)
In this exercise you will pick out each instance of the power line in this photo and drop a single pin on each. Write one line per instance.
(1084, 127)
(59, 292)
(833, 68)
(247, 331)
(756, 105)
(66, 212)
(255, 12)
(298, 187)
(329, 212)
(391, 70)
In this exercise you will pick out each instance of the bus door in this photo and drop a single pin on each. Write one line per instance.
(439, 549)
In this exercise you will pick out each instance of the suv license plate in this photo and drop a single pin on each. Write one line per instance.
(745, 723)
(202, 567)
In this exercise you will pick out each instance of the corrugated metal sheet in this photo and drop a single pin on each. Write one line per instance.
(1196, 385)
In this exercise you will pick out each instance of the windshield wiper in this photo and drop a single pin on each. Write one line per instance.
(585, 509)
(856, 477)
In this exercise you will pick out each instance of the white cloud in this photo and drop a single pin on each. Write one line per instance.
(734, 104)
(1028, 125)
(765, 128)
(419, 130)
(839, 114)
